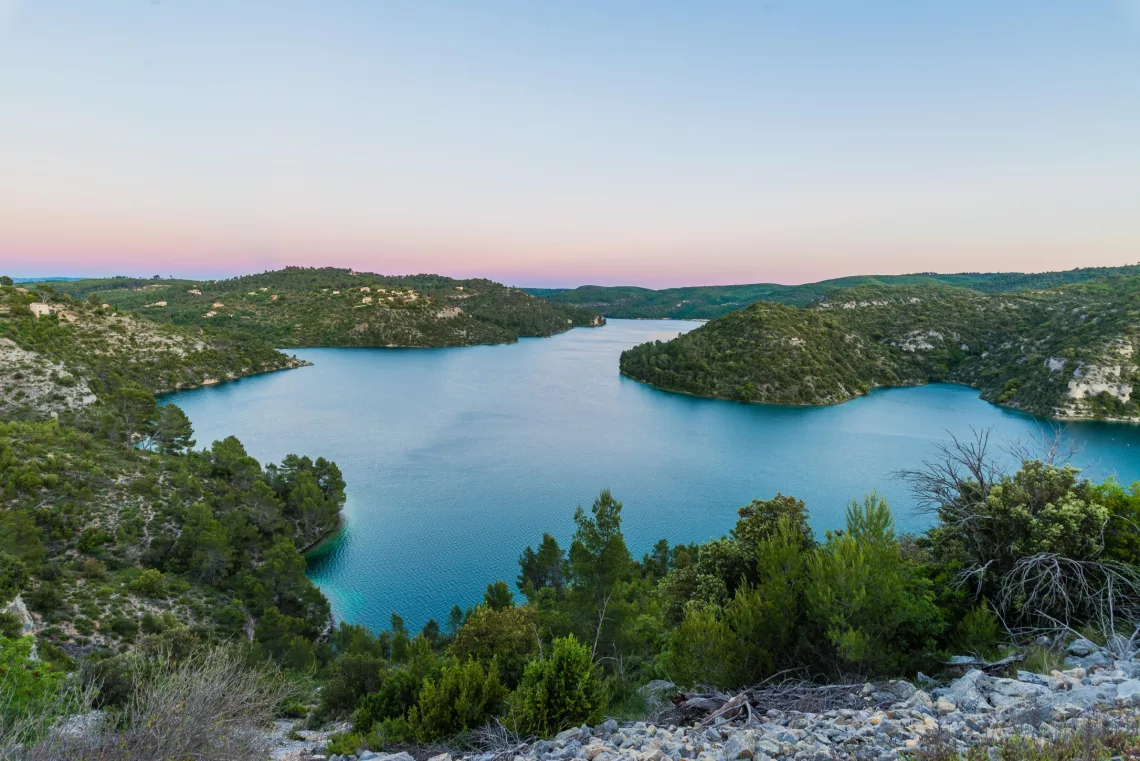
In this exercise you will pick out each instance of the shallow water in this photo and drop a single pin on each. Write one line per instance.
(457, 459)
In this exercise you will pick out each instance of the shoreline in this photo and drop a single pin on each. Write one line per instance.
(1051, 418)
(326, 538)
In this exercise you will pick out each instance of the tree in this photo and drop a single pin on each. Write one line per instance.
(173, 433)
(541, 569)
(5, 280)
(508, 634)
(560, 691)
(758, 520)
(20, 536)
(134, 409)
(599, 563)
(204, 545)
(498, 596)
(872, 608)
(455, 620)
(13, 577)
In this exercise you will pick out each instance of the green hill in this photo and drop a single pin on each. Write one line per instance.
(708, 302)
(327, 306)
(123, 529)
(58, 354)
(1065, 352)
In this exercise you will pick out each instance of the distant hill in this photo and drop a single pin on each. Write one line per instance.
(708, 302)
(1066, 352)
(59, 355)
(328, 306)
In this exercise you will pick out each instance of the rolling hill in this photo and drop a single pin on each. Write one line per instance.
(1066, 352)
(328, 306)
(709, 302)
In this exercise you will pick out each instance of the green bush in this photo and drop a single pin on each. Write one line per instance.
(463, 698)
(560, 691)
(13, 577)
(872, 607)
(28, 688)
(150, 583)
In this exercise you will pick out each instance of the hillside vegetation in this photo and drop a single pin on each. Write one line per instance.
(111, 524)
(165, 577)
(1067, 352)
(74, 350)
(327, 306)
(708, 302)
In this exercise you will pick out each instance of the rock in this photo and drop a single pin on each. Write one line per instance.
(945, 706)
(1128, 693)
(901, 689)
(567, 735)
(570, 750)
(607, 727)
(401, 756)
(1081, 647)
(1031, 678)
(740, 745)
(441, 757)
(1088, 662)
(967, 692)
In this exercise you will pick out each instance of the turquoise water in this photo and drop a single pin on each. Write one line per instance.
(457, 459)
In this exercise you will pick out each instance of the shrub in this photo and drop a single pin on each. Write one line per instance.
(27, 687)
(150, 583)
(13, 577)
(209, 707)
(352, 676)
(463, 698)
(872, 607)
(509, 635)
(557, 692)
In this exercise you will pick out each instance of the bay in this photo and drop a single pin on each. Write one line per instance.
(457, 459)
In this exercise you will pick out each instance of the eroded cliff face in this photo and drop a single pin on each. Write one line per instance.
(1106, 384)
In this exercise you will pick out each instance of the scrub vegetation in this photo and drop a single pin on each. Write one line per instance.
(707, 302)
(327, 306)
(1068, 352)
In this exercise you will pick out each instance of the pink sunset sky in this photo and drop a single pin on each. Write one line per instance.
(557, 144)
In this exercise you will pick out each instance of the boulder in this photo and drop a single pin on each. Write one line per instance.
(1128, 693)
(968, 693)
(1030, 678)
(1081, 647)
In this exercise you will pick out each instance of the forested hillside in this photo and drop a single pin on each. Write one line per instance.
(708, 302)
(1066, 352)
(299, 306)
(111, 523)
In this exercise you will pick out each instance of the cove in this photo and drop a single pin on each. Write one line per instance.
(457, 459)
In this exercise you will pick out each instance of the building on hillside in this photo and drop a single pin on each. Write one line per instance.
(39, 310)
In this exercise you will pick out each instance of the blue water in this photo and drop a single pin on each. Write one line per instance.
(457, 459)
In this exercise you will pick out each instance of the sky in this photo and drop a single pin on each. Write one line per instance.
(556, 143)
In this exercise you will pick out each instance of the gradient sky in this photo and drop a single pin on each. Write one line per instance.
(558, 143)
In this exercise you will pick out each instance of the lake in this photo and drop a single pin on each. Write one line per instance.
(457, 459)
